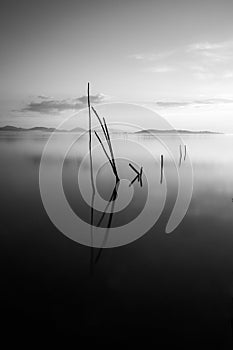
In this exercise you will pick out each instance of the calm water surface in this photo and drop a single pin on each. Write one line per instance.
(176, 287)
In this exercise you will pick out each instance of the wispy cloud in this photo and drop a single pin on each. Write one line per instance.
(202, 72)
(201, 60)
(228, 75)
(159, 69)
(171, 104)
(44, 97)
(213, 52)
(195, 102)
(45, 105)
(202, 46)
(153, 56)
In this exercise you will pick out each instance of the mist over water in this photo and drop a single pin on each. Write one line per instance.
(180, 283)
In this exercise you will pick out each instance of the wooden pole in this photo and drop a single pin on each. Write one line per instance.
(161, 168)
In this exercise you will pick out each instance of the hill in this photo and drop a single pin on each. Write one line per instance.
(173, 131)
(38, 128)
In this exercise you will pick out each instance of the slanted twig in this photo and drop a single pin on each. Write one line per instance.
(110, 145)
(134, 179)
(132, 167)
(138, 176)
(107, 137)
(100, 141)
(102, 126)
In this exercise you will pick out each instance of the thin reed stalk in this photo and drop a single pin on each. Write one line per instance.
(132, 167)
(180, 156)
(132, 182)
(102, 126)
(138, 176)
(90, 138)
(105, 152)
(108, 139)
(185, 152)
(92, 180)
(110, 145)
(161, 168)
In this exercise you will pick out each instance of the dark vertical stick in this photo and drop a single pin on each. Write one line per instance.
(92, 223)
(141, 171)
(92, 180)
(140, 176)
(180, 151)
(185, 151)
(161, 169)
(180, 156)
(90, 140)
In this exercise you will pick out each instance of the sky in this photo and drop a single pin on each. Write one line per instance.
(175, 56)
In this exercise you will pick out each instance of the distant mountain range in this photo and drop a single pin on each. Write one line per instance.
(146, 131)
(157, 131)
(39, 128)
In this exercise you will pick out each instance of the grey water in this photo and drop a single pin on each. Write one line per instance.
(176, 286)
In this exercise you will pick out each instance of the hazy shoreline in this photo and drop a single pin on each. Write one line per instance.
(9, 128)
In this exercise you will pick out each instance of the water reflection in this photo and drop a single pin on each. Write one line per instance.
(185, 278)
(111, 201)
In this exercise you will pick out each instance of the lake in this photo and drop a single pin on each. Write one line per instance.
(177, 287)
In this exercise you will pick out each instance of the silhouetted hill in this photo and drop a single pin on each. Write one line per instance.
(11, 128)
(38, 128)
(157, 131)
(78, 129)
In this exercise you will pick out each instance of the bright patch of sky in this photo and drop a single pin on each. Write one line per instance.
(174, 56)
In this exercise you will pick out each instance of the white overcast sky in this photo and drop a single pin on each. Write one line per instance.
(176, 56)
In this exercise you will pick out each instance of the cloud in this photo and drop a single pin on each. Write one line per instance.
(174, 104)
(228, 75)
(204, 46)
(219, 52)
(204, 75)
(159, 69)
(47, 105)
(220, 57)
(171, 104)
(201, 71)
(152, 56)
(205, 72)
(44, 97)
(213, 101)
(202, 60)
(216, 51)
